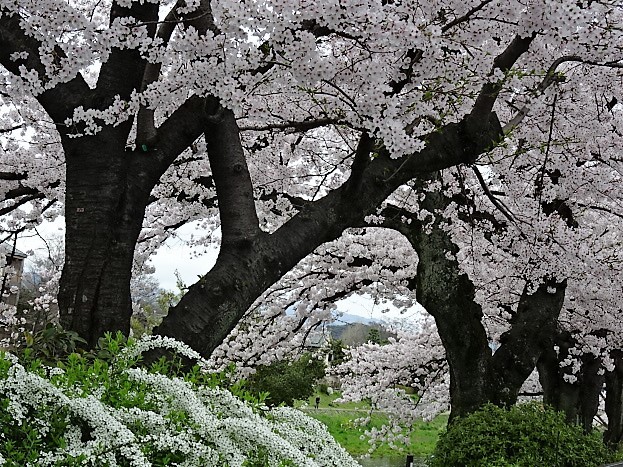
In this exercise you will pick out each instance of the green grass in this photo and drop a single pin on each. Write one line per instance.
(338, 419)
(328, 402)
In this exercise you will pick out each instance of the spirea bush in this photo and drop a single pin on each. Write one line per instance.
(525, 435)
(94, 411)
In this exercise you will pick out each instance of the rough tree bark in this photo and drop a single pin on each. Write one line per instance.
(614, 402)
(579, 400)
(477, 375)
(104, 208)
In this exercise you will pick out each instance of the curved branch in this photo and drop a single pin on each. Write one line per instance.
(58, 102)
(503, 62)
(548, 80)
(145, 127)
(466, 16)
(21, 202)
(495, 201)
(234, 189)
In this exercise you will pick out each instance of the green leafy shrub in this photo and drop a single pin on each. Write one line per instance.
(52, 343)
(110, 412)
(286, 381)
(524, 435)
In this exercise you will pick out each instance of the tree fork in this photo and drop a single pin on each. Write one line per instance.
(477, 375)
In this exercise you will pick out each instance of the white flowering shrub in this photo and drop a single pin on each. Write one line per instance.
(111, 412)
(11, 325)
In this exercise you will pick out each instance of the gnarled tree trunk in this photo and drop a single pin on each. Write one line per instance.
(477, 375)
(105, 203)
(614, 402)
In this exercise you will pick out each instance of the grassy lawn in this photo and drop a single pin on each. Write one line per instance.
(338, 416)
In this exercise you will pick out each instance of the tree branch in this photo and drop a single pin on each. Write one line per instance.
(26, 199)
(294, 126)
(466, 16)
(13, 176)
(506, 212)
(203, 21)
(548, 80)
(58, 102)
(10, 129)
(234, 189)
(361, 161)
(145, 127)
(123, 72)
(178, 132)
(503, 62)
(601, 208)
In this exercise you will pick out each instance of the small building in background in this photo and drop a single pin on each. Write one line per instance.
(317, 344)
(11, 272)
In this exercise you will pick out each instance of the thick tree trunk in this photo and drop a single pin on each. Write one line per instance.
(106, 194)
(614, 402)
(578, 400)
(477, 376)
(558, 393)
(104, 209)
(448, 295)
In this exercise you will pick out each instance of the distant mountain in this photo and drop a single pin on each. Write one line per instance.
(353, 334)
(350, 318)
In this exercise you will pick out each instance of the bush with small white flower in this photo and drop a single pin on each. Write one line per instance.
(89, 410)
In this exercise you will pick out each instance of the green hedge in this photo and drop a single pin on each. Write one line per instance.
(525, 435)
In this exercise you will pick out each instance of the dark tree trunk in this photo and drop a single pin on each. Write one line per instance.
(614, 402)
(591, 386)
(558, 393)
(107, 192)
(477, 375)
(578, 400)
(105, 204)
(448, 295)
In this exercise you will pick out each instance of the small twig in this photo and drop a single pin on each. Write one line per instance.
(466, 16)
(541, 179)
(495, 201)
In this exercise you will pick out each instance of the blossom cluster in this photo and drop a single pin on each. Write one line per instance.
(92, 413)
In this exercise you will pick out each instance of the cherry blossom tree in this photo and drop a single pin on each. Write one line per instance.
(294, 120)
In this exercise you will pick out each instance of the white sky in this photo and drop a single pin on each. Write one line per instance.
(170, 257)
(174, 256)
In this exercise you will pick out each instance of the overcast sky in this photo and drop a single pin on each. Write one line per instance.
(174, 256)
